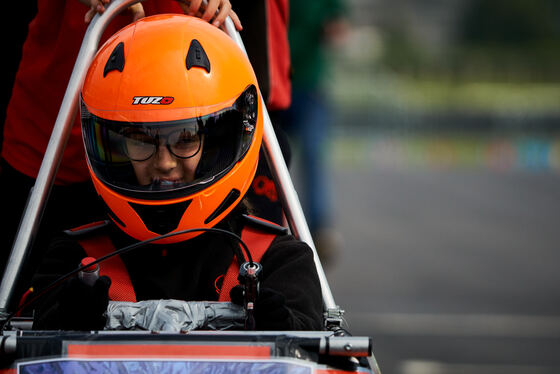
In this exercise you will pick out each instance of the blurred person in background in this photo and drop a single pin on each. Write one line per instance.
(314, 26)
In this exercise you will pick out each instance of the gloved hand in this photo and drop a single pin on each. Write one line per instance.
(76, 306)
(271, 312)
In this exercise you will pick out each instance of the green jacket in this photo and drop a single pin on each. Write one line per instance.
(307, 40)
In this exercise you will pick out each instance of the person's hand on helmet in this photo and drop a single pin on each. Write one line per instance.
(98, 6)
(271, 311)
(215, 11)
(77, 306)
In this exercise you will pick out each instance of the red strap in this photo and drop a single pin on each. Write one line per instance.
(258, 242)
(121, 287)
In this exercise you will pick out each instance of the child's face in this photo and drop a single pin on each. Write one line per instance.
(174, 159)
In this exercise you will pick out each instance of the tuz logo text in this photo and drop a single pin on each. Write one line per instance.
(152, 100)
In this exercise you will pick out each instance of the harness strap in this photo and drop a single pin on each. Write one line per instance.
(258, 242)
(121, 287)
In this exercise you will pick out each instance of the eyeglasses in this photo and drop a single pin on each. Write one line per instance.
(183, 143)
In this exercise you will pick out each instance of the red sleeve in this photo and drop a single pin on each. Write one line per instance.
(279, 54)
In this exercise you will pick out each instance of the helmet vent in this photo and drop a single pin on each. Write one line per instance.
(197, 57)
(230, 199)
(112, 214)
(116, 60)
(161, 219)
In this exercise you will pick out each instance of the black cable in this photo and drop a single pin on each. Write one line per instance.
(126, 249)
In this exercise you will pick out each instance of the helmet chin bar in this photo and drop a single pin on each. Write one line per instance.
(161, 219)
(61, 132)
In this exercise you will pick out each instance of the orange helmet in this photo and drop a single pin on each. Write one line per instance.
(171, 126)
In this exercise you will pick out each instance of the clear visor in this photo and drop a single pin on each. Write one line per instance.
(145, 159)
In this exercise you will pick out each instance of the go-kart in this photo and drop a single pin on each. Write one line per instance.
(170, 335)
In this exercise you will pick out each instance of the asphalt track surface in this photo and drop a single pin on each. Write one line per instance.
(450, 270)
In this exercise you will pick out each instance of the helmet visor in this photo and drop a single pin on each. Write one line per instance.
(150, 158)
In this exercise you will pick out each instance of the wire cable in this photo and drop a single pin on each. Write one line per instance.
(123, 250)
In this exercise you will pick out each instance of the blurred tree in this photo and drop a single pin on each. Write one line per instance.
(511, 22)
(512, 40)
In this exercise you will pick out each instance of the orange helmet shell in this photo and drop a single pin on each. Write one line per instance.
(155, 54)
(155, 50)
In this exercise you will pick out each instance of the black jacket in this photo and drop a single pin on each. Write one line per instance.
(191, 270)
